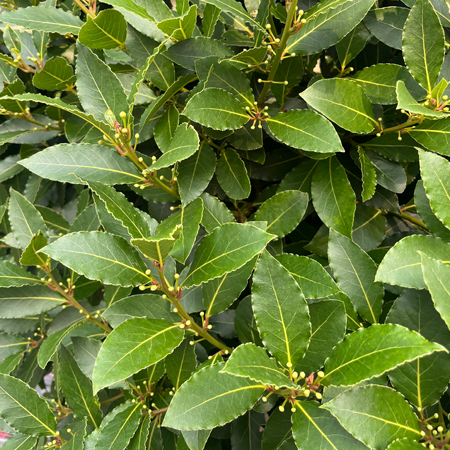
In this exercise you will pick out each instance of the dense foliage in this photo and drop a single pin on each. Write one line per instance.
(225, 225)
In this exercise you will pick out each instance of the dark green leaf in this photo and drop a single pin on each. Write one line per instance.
(305, 130)
(98, 95)
(181, 363)
(44, 18)
(281, 311)
(402, 263)
(355, 274)
(333, 197)
(67, 162)
(107, 30)
(372, 351)
(195, 173)
(252, 362)
(316, 428)
(226, 249)
(77, 390)
(232, 175)
(423, 47)
(211, 398)
(377, 422)
(56, 75)
(132, 346)
(27, 301)
(344, 102)
(100, 256)
(22, 408)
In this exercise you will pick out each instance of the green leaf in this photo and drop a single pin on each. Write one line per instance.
(369, 176)
(186, 52)
(56, 75)
(119, 429)
(232, 175)
(180, 28)
(211, 398)
(220, 293)
(372, 351)
(379, 83)
(118, 205)
(226, 249)
(143, 305)
(78, 439)
(77, 390)
(67, 162)
(23, 409)
(19, 442)
(423, 380)
(100, 256)
(277, 431)
(351, 45)
(434, 170)
(51, 344)
(326, 24)
(183, 144)
(132, 346)
(355, 274)
(43, 18)
(299, 178)
(283, 212)
(139, 440)
(85, 351)
(344, 102)
(281, 311)
(328, 322)
(252, 362)
(10, 344)
(12, 275)
(423, 46)
(402, 264)
(11, 362)
(31, 255)
(332, 196)
(435, 273)
(237, 10)
(217, 109)
(181, 363)
(246, 431)
(98, 95)
(433, 135)
(386, 24)
(158, 247)
(24, 218)
(427, 215)
(369, 227)
(157, 104)
(225, 76)
(316, 428)
(107, 30)
(25, 301)
(390, 175)
(311, 277)
(101, 126)
(305, 130)
(195, 173)
(166, 127)
(378, 422)
(407, 102)
(9, 166)
(190, 218)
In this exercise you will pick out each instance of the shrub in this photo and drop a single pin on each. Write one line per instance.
(225, 225)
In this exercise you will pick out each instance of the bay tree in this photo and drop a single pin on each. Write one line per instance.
(225, 225)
